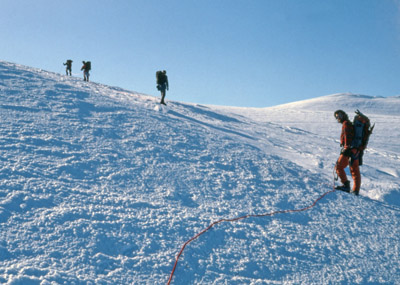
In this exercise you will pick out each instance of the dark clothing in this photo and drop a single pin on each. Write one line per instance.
(162, 84)
(69, 67)
(163, 97)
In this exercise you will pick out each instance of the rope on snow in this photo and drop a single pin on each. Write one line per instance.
(241, 218)
(258, 216)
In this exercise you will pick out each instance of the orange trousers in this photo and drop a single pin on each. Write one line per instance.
(341, 164)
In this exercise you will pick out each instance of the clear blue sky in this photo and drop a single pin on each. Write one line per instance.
(251, 53)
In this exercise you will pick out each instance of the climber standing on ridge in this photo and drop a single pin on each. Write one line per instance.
(69, 67)
(349, 156)
(86, 67)
(162, 84)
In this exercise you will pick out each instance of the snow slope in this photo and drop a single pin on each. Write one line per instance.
(100, 185)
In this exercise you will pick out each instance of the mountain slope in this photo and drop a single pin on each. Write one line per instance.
(315, 116)
(101, 185)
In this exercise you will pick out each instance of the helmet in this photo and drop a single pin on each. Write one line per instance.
(341, 116)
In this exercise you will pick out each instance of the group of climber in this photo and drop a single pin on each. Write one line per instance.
(86, 67)
(353, 139)
(161, 77)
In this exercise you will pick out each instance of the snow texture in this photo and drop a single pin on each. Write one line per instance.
(100, 185)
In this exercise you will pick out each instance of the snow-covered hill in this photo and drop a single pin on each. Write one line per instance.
(100, 185)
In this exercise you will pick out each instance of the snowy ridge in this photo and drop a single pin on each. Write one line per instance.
(101, 185)
(370, 104)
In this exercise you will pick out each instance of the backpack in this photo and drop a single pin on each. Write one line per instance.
(88, 66)
(362, 131)
(160, 76)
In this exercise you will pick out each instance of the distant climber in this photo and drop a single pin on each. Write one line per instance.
(69, 67)
(349, 156)
(162, 84)
(87, 66)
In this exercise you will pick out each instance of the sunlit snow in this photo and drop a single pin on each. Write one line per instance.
(100, 185)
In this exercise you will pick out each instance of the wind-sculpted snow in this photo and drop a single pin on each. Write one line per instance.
(100, 185)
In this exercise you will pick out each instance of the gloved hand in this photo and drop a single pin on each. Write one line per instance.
(346, 152)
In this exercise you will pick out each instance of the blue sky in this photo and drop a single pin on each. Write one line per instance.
(250, 53)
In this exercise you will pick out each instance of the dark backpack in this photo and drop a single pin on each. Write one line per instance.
(88, 66)
(68, 63)
(362, 131)
(160, 76)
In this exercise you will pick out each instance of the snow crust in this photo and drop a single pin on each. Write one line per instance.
(100, 185)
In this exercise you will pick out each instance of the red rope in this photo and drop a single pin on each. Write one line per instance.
(241, 218)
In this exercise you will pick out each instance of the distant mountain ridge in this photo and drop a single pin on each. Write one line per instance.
(348, 102)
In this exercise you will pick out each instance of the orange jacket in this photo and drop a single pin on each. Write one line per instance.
(347, 135)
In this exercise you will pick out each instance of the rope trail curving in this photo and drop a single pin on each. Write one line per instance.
(241, 218)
